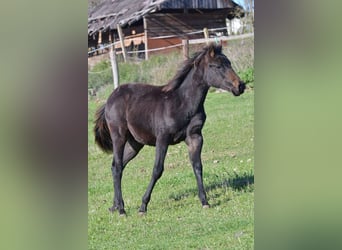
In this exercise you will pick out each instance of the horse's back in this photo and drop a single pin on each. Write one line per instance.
(133, 91)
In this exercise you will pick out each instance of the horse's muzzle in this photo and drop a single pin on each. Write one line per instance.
(242, 87)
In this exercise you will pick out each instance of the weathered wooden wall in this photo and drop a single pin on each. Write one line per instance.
(180, 24)
(169, 27)
(161, 43)
(196, 4)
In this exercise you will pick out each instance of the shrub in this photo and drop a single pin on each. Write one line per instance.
(247, 76)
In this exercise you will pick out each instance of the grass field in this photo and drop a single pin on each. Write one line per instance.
(175, 218)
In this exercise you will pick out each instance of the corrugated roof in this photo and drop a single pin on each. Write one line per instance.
(112, 12)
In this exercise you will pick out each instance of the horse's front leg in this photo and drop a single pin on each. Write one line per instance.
(195, 143)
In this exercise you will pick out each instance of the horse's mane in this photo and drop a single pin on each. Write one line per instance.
(188, 64)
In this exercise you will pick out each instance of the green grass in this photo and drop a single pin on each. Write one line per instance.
(175, 218)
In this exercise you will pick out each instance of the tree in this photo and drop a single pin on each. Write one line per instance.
(249, 15)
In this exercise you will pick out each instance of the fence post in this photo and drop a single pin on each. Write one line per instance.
(99, 42)
(114, 63)
(206, 34)
(122, 41)
(146, 38)
(185, 43)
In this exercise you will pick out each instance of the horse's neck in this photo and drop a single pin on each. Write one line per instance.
(193, 91)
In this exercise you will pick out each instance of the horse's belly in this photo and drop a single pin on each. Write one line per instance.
(142, 136)
(178, 137)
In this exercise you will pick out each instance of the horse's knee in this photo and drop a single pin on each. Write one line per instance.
(194, 143)
(157, 172)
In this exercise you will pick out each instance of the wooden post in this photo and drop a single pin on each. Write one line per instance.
(206, 34)
(146, 39)
(185, 43)
(122, 41)
(99, 41)
(114, 63)
(229, 27)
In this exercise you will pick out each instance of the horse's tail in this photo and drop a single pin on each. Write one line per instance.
(102, 134)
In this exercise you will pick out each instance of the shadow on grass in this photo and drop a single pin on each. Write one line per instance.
(237, 183)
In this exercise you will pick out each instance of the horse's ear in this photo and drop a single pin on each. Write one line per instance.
(212, 51)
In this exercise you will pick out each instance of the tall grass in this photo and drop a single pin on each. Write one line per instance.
(241, 54)
(157, 71)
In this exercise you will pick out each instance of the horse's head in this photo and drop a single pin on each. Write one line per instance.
(219, 73)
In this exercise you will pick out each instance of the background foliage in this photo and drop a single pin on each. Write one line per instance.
(159, 69)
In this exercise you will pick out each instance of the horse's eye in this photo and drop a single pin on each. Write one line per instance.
(215, 66)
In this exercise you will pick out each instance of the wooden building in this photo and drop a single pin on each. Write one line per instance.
(153, 24)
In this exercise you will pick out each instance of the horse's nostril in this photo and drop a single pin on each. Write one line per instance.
(242, 87)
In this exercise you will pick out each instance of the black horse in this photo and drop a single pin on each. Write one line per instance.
(139, 114)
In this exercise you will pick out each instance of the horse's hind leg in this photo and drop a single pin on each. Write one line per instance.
(131, 149)
(161, 149)
(117, 168)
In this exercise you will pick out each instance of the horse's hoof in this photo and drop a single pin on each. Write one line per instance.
(122, 211)
(122, 214)
(206, 206)
(112, 209)
(141, 213)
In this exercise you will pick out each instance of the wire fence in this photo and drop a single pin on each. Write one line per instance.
(159, 69)
(191, 42)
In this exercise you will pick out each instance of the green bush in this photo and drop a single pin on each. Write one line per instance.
(248, 76)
